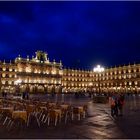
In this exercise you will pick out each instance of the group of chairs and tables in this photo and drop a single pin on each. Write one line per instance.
(45, 113)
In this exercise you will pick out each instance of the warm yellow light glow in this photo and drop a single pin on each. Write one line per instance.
(136, 82)
(18, 81)
(98, 69)
(60, 72)
(53, 71)
(3, 75)
(90, 84)
(35, 71)
(3, 82)
(4, 69)
(20, 70)
(47, 71)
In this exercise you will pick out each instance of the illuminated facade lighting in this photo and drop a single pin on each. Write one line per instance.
(39, 74)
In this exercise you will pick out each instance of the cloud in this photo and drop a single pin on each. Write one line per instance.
(71, 31)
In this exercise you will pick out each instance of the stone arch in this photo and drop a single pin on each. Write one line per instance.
(49, 89)
(57, 89)
(40, 88)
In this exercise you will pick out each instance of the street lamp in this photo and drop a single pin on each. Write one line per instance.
(98, 69)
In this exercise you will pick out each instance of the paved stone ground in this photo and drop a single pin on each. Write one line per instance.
(130, 122)
(99, 124)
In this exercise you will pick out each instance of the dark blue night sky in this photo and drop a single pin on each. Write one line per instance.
(81, 34)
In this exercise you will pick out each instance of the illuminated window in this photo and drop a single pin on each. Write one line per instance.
(3, 75)
(136, 82)
(28, 70)
(129, 70)
(60, 72)
(4, 69)
(53, 71)
(124, 76)
(3, 82)
(47, 71)
(20, 70)
(129, 76)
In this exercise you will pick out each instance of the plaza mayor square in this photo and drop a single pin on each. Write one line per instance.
(69, 70)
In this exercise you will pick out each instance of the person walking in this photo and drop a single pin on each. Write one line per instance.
(121, 104)
(113, 105)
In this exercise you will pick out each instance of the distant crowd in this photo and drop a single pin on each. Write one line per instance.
(23, 95)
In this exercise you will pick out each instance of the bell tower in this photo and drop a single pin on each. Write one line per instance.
(41, 56)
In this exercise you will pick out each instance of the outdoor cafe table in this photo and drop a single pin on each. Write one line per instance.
(80, 108)
(20, 114)
(65, 107)
(52, 104)
(43, 107)
(7, 109)
(58, 112)
(43, 103)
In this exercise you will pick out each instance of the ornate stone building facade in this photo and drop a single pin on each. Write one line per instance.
(39, 75)
(33, 75)
(118, 79)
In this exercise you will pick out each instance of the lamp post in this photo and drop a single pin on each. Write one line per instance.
(98, 69)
